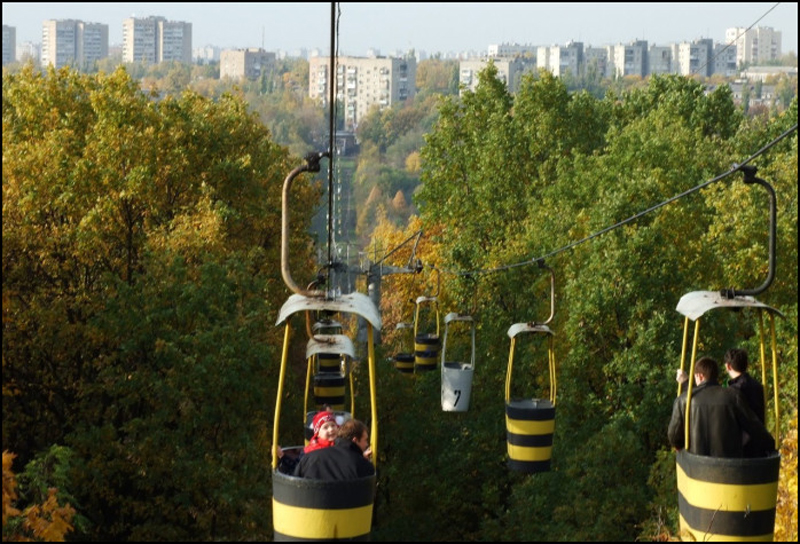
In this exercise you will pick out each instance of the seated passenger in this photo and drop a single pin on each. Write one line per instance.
(325, 431)
(719, 417)
(346, 460)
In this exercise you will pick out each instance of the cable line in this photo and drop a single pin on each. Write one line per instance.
(734, 168)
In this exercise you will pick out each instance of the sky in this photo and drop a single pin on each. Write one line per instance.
(431, 27)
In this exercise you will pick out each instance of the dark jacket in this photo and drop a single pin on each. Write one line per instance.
(753, 392)
(342, 461)
(718, 418)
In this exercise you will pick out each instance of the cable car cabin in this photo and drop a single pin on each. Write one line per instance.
(426, 344)
(457, 375)
(308, 509)
(404, 360)
(330, 361)
(727, 499)
(329, 386)
(530, 422)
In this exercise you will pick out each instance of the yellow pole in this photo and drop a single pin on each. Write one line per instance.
(508, 374)
(281, 376)
(775, 380)
(691, 383)
(762, 356)
(683, 348)
(552, 357)
(372, 396)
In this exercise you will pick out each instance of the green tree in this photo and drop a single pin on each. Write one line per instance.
(509, 178)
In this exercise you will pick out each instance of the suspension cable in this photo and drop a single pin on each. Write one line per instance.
(734, 168)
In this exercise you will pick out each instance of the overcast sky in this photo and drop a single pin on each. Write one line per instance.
(431, 27)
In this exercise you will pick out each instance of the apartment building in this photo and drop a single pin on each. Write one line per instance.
(69, 42)
(9, 44)
(628, 60)
(155, 39)
(754, 46)
(596, 59)
(363, 83)
(694, 58)
(509, 71)
(512, 50)
(29, 51)
(245, 63)
(561, 60)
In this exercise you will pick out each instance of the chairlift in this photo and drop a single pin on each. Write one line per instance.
(530, 422)
(304, 508)
(730, 499)
(457, 375)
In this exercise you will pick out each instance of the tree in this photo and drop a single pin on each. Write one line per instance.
(141, 242)
(507, 179)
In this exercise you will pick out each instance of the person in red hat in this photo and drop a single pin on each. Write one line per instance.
(325, 430)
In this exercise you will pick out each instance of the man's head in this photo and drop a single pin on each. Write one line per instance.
(706, 369)
(355, 431)
(736, 360)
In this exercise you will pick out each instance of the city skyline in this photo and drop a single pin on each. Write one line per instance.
(431, 27)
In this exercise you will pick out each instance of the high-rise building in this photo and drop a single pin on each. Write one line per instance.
(9, 44)
(245, 63)
(509, 71)
(363, 82)
(756, 45)
(68, 42)
(628, 60)
(28, 51)
(561, 60)
(693, 58)
(154, 39)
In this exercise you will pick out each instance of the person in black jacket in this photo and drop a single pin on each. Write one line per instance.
(718, 418)
(736, 365)
(347, 459)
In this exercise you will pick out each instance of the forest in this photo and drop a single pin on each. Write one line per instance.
(141, 287)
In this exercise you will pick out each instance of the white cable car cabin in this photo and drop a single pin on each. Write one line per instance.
(457, 375)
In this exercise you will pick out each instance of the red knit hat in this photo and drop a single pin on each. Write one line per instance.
(321, 418)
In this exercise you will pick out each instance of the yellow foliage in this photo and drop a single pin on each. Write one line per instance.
(786, 508)
(9, 488)
(47, 522)
(413, 163)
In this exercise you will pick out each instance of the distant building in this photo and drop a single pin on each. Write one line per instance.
(28, 51)
(694, 58)
(9, 44)
(660, 59)
(596, 59)
(155, 39)
(509, 71)
(628, 60)
(245, 63)
(561, 60)
(206, 55)
(511, 50)
(724, 59)
(363, 83)
(68, 42)
(757, 45)
(762, 73)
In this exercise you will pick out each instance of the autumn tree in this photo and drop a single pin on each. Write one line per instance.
(141, 243)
